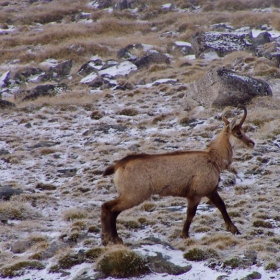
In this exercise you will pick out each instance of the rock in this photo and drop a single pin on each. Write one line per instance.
(250, 257)
(89, 78)
(221, 42)
(270, 51)
(19, 247)
(68, 172)
(253, 275)
(52, 249)
(109, 63)
(262, 38)
(105, 128)
(6, 192)
(184, 48)
(4, 79)
(159, 264)
(224, 87)
(102, 4)
(90, 66)
(23, 75)
(4, 152)
(44, 144)
(126, 52)
(41, 91)
(5, 104)
(126, 4)
(153, 58)
(62, 69)
(122, 69)
(96, 83)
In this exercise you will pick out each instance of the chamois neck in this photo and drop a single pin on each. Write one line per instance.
(220, 150)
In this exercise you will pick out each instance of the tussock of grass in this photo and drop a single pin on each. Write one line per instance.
(17, 269)
(75, 214)
(225, 240)
(197, 254)
(16, 210)
(122, 262)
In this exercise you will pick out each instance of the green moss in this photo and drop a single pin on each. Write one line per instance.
(74, 236)
(234, 214)
(18, 268)
(232, 263)
(94, 229)
(202, 229)
(129, 112)
(54, 269)
(197, 254)
(260, 223)
(45, 187)
(123, 263)
(75, 215)
(185, 121)
(36, 256)
(142, 220)
(69, 260)
(271, 266)
(276, 240)
(94, 253)
(80, 224)
(148, 207)
(131, 224)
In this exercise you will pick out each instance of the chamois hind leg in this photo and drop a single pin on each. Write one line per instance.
(108, 223)
(109, 213)
(192, 206)
(219, 203)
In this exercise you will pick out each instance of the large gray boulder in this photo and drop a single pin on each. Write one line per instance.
(224, 87)
(221, 42)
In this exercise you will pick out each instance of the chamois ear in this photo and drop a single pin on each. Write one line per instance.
(233, 123)
(225, 120)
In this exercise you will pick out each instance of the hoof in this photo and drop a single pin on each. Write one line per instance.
(184, 235)
(111, 240)
(233, 229)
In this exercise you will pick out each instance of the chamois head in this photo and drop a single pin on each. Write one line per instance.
(237, 137)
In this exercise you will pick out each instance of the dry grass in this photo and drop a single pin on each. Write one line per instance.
(74, 214)
(105, 36)
(65, 38)
(16, 210)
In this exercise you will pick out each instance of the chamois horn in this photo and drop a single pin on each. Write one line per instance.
(244, 115)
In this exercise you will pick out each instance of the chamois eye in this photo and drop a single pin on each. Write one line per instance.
(238, 133)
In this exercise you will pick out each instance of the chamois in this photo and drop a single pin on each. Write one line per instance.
(189, 174)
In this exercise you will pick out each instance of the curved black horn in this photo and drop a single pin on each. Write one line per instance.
(244, 115)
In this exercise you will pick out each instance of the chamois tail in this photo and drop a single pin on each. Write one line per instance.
(109, 170)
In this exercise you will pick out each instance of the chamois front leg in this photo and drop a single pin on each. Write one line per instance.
(219, 203)
(192, 206)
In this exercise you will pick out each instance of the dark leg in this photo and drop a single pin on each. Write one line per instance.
(218, 202)
(192, 206)
(108, 223)
(109, 213)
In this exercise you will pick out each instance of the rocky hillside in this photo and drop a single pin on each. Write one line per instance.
(85, 83)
